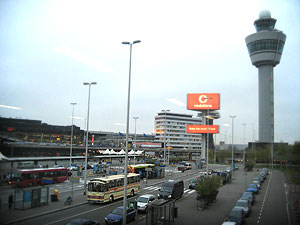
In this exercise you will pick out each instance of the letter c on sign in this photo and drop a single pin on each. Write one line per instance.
(202, 99)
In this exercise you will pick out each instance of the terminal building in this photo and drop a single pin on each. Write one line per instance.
(34, 131)
(169, 131)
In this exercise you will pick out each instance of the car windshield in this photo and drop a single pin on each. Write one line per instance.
(166, 189)
(246, 194)
(241, 204)
(142, 199)
(252, 186)
(117, 211)
(235, 214)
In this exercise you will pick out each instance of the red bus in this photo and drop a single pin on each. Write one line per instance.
(39, 176)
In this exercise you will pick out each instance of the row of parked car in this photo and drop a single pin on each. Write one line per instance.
(242, 208)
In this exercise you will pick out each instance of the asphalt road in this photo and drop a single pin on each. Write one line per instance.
(270, 206)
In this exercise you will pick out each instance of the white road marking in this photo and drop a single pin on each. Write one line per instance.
(262, 206)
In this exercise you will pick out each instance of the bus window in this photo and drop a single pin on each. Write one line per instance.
(105, 187)
(91, 187)
(131, 180)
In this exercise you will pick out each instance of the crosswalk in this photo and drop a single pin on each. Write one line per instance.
(67, 188)
(155, 188)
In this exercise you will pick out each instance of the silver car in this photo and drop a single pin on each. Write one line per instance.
(243, 204)
(143, 202)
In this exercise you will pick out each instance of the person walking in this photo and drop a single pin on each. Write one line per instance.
(10, 200)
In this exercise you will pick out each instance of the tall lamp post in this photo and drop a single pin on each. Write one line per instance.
(87, 134)
(165, 134)
(127, 131)
(135, 118)
(245, 156)
(208, 117)
(244, 125)
(232, 117)
(73, 104)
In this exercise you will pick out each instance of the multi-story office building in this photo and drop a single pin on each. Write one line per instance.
(170, 129)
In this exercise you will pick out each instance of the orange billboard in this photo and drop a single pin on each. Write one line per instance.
(202, 129)
(203, 101)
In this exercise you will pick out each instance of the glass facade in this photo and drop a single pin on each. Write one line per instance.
(265, 24)
(265, 45)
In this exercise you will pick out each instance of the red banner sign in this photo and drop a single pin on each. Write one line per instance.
(202, 129)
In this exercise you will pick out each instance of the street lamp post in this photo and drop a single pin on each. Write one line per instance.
(207, 149)
(165, 134)
(135, 118)
(73, 104)
(232, 117)
(127, 131)
(244, 125)
(245, 156)
(87, 134)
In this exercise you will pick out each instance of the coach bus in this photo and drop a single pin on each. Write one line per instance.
(38, 176)
(110, 188)
(144, 170)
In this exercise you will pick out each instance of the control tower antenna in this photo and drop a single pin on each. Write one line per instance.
(265, 48)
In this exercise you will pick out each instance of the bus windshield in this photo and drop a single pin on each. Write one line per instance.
(15, 176)
(97, 187)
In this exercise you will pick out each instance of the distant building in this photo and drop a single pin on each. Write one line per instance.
(118, 139)
(24, 130)
(170, 129)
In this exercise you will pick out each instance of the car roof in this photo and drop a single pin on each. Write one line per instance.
(229, 223)
(242, 200)
(147, 196)
(237, 209)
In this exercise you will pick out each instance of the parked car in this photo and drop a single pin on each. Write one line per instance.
(258, 179)
(243, 204)
(235, 167)
(229, 223)
(229, 170)
(249, 196)
(261, 178)
(263, 174)
(236, 215)
(143, 202)
(257, 183)
(192, 183)
(253, 188)
(83, 222)
(265, 170)
(248, 201)
(116, 216)
(171, 189)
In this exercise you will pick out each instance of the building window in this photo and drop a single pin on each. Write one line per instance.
(265, 45)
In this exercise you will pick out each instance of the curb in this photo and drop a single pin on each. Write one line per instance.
(44, 213)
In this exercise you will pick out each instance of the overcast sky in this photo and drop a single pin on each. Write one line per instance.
(49, 48)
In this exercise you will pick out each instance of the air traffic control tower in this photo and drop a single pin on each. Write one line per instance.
(265, 49)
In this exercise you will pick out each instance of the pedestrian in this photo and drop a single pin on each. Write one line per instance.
(10, 200)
